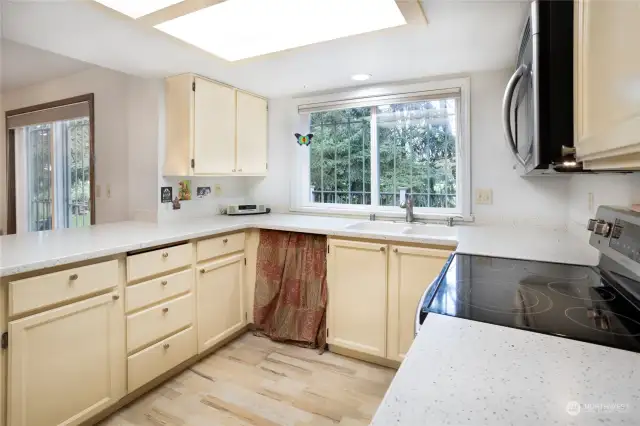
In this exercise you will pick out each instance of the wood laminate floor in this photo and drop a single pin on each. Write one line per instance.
(254, 381)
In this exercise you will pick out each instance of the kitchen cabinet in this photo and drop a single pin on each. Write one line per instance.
(213, 129)
(252, 133)
(220, 300)
(66, 364)
(411, 270)
(607, 112)
(357, 306)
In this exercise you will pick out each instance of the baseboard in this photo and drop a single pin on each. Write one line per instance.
(136, 394)
(372, 359)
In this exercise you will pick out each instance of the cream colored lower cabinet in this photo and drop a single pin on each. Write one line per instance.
(220, 299)
(66, 364)
(411, 270)
(357, 306)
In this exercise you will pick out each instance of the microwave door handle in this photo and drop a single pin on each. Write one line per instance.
(506, 111)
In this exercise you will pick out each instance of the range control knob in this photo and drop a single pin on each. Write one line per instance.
(617, 232)
(603, 228)
(592, 224)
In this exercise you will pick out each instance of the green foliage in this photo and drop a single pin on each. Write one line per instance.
(416, 148)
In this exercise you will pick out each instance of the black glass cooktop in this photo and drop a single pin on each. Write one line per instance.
(575, 302)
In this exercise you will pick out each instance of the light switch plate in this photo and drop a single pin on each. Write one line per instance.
(98, 191)
(484, 196)
(217, 190)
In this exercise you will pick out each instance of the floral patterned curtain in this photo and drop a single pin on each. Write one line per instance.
(291, 287)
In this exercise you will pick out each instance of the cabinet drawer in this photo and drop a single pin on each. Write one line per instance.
(219, 246)
(154, 323)
(45, 290)
(149, 292)
(158, 261)
(150, 363)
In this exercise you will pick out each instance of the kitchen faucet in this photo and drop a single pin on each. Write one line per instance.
(408, 206)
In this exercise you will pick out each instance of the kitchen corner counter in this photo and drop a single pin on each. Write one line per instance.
(39, 250)
(461, 372)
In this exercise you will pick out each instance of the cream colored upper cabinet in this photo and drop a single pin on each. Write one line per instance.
(411, 271)
(213, 129)
(220, 300)
(607, 81)
(357, 306)
(66, 364)
(252, 133)
(214, 147)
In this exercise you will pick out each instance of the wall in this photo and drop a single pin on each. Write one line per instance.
(538, 201)
(111, 132)
(588, 192)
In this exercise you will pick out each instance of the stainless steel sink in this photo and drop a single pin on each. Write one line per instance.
(431, 231)
(425, 230)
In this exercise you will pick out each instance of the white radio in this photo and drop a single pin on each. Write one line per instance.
(241, 209)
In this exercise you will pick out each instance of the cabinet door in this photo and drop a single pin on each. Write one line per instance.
(220, 300)
(214, 128)
(411, 271)
(357, 306)
(67, 364)
(252, 134)
(606, 80)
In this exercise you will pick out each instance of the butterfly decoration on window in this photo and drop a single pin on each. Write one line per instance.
(304, 140)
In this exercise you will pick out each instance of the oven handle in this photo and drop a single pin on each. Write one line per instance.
(506, 112)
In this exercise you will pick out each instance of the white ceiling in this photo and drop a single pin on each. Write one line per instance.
(462, 36)
(23, 65)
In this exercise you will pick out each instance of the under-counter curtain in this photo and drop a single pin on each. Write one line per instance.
(291, 287)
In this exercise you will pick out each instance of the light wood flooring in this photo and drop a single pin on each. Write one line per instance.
(254, 381)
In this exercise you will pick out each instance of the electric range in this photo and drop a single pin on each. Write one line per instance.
(599, 304)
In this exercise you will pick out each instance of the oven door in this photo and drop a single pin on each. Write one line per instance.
(519, 107)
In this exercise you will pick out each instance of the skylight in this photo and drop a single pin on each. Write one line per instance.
(240, 29)
(137, 8)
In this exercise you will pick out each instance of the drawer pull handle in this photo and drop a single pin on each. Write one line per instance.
(382, 249)
(164, 282)
(225, 241)
(165, 310)
(165, 254)
(166, 346)
(73, 277)
(115, 297)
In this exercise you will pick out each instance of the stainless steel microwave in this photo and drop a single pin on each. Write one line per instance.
(537, 107)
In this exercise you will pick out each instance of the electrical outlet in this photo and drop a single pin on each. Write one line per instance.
(108, 191)
(98, 191)
(217, 190)
(484, 196)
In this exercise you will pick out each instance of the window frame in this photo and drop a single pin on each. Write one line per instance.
(300, 182)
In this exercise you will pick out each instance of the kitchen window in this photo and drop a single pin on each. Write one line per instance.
(369, 153)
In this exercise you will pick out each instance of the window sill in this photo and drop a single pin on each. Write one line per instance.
(381, 213)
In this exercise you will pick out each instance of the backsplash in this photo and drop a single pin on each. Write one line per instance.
(224, 191)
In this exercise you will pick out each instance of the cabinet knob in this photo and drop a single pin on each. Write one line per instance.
(164, 282)
(165, 310)
(239, 170)
(382, 249)
(73, 277)
(165, 254)
(115, 297)
(395, 250)
(234, 170)
(166, 346)
(225, 241)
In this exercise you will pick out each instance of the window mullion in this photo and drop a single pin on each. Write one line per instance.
(375, 165)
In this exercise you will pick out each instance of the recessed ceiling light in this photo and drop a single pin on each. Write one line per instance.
(239, 29)
(360, 77)
(138, 8)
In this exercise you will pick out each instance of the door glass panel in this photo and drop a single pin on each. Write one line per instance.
(39, 167)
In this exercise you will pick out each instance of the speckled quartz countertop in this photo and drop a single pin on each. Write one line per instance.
(39, 250)
(460, 372)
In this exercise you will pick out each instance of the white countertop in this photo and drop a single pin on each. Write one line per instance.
(460, 372)
(38, 250)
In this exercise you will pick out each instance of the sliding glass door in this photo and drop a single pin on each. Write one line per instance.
(52, 173)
